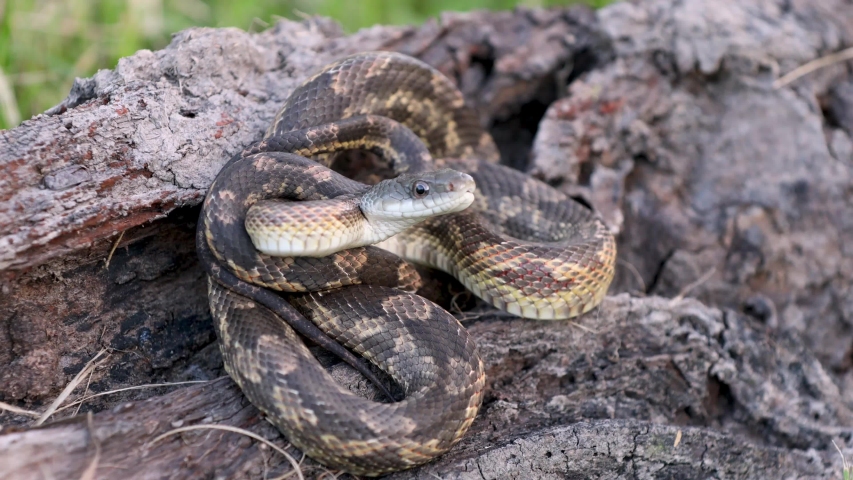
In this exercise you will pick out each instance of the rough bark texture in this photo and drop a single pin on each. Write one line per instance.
(707, 169)
(668, 124)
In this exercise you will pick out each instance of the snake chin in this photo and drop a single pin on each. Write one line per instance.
(438, 204)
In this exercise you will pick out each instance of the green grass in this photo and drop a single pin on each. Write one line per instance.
(44, 44)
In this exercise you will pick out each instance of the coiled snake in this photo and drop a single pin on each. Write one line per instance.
(522, 246)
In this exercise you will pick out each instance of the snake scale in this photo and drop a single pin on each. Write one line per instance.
(521, 245)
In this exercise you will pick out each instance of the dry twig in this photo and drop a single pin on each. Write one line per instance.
(19, 411)
(135, 387)
(684, 291)
(113, 250)
(89, 473)
(817, 64)
(241, 431)
(90, 365)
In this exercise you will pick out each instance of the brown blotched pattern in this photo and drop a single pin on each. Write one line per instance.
(420, 345)
(395, 86)
(523, 246)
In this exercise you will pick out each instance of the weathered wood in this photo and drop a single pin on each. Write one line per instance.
(650, 368)
(132, 144)
(713, 175)
(122, 438)
(144, 141)
(670, 127)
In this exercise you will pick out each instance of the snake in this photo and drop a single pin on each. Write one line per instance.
(296, 252)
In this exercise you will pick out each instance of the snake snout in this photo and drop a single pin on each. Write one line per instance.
(452, 191)
(464, 183)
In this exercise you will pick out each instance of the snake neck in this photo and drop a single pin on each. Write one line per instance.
(317, 228)
(305, 229)
(376, 230)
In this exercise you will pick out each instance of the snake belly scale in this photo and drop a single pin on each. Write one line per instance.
(522, 246)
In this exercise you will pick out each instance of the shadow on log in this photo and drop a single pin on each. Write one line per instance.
(661, 114)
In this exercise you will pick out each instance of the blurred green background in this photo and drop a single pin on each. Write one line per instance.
(44, 44)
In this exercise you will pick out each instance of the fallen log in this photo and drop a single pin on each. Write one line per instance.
(658, 113)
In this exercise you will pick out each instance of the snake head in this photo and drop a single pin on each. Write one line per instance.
(413, 197)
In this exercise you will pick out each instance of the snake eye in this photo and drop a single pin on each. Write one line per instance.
(420, 189)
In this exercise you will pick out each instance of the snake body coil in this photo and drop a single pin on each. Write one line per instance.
(522, 246)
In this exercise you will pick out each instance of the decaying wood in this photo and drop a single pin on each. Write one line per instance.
(707, 168)
(721, 187)
(132, 144)
(144, 141)
(639, 371)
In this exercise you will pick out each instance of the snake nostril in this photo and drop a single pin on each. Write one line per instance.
(451, 187)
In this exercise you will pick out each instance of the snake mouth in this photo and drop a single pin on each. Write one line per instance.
(439, 204)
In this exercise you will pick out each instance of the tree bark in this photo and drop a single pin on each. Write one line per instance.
(661, 114)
